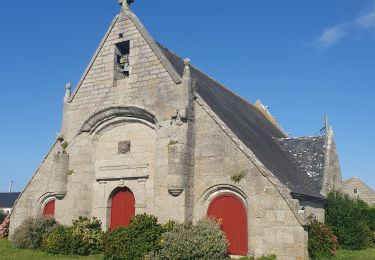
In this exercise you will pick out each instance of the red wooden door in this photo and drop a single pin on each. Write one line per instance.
(49, 209)
(232, 214)
(123, 208)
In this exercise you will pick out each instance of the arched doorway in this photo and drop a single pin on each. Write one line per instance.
(49, 209)
(122, 208)
(232, 214)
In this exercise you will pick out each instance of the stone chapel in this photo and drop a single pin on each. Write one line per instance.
(145, 131)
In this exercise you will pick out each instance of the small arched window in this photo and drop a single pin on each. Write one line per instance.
(49, 209)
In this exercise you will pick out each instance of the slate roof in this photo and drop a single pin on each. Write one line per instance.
(7, 199)
(309, 153)
(252, 128)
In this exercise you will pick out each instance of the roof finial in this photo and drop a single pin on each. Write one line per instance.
(125, 4)
(68, 86)
(186, 68)
(326, 124)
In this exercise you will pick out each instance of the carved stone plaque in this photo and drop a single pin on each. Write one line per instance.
(124, 147)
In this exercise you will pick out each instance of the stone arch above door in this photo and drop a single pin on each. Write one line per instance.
(101, 117)
(123, 156)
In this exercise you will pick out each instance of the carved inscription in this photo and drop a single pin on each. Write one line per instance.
(124, 147)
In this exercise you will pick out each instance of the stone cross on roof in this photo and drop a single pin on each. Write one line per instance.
(125, 3)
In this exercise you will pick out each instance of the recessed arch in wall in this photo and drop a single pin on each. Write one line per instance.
(101, 117)
(221, 189)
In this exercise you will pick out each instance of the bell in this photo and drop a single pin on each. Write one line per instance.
(126, 67)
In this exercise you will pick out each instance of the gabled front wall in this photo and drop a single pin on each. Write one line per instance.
(77, 177)
(272, 226)
(149, 85)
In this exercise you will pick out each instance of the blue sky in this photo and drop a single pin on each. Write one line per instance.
(304, 59)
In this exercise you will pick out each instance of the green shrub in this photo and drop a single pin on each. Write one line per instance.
(84, 237)
(59, 241)
(348, 218)
(169, 225)
(322, 242)
(371, 217)
(114, 243)
(87, 236)
(31, 232)
(187, 241)
(268, 257)
(142, 236)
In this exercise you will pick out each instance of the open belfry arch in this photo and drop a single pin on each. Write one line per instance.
(144, 131)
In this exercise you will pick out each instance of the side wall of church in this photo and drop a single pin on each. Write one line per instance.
(272, 226)
(32, 198)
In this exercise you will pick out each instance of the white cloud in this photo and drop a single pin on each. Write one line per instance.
(331, 35)
(335, 33)
(367, 20)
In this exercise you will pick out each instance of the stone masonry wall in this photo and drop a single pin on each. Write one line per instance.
(272, 227)
(364, 192)
(332, 173)
(149, 85)
(31, 200)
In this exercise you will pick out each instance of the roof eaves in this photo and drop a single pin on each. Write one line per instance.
(299, 196)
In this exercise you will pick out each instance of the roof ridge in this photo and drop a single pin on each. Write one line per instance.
(300, 137)
(248, 120)
(216, 81)
(360, 180)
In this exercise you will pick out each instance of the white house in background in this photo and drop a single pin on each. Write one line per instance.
(7, 200)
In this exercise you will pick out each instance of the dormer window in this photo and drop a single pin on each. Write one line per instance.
(122, 58)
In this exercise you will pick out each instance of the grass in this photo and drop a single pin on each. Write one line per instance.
(367, 254)
(7, 251)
